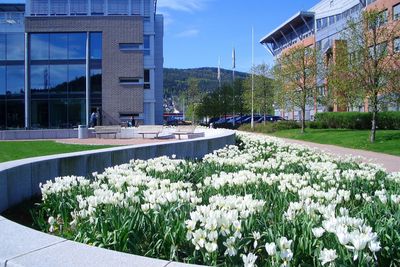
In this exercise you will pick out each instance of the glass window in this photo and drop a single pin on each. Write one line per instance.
(39, 7)
(2, 114)
(146, 79)
(118, 7)
(2, 82)
(15, 46)
(58, 111)
(383, 18)
(39, 46)
(2, 46)
(338, 17)
(76, 112)
(146, 44)
(58, 7)
(15, 110)
(78, 7)
(39, 80)
(39, 114)
(97, 7)
(95, 81)
(136, 7)
(129, 46)
(96, 45)
(58, 46)
(77, 45)
(396, 44)
(15, 79)
(58, 79)
(331, 20)
(77, 80)
(396, 12)
(128, 80)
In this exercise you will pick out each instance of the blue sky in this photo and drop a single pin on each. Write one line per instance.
(198, 32)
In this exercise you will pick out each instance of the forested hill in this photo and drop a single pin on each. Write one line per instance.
(176, 80)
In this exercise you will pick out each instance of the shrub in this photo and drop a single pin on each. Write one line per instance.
(356, 120)
(271, 127)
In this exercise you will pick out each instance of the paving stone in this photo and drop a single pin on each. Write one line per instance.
(18, 240)
(74, 254)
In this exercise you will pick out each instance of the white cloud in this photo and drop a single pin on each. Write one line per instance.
(182, 5)
(188, 33)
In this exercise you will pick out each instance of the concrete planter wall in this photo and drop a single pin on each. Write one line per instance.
(19, 180)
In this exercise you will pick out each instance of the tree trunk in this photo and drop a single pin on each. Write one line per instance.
(303, 120)
(374, 113)
(264, 122)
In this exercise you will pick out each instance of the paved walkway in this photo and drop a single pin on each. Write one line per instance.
(391, 163)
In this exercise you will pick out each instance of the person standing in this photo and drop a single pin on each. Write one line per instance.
(133, 122)
(93, 119)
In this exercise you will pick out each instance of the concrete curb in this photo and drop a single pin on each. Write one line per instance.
(19, 180)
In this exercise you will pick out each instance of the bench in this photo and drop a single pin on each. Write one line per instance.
(100, 130)
(184, 130)
(149, 129)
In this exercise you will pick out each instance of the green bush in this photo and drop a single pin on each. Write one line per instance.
(355, 120)
(271, 127)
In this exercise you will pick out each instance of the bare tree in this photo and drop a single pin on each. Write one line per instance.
(295, 74)
(373, 63)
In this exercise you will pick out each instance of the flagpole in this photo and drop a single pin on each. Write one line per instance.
(252, 78)
(233, 85)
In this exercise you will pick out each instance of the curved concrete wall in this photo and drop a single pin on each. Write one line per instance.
(19, 180)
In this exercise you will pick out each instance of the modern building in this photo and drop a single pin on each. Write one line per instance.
(61, 60)
(322, 26)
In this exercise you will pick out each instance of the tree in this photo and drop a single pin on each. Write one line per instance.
(341, 88)
(193, 98)
(373, 66)
(263, 90)
(295, 74)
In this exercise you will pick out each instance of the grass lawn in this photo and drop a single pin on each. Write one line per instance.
(386, 141)
(13, 150)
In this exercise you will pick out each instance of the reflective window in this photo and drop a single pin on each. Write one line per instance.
(146, 45)
(58, 79)
(96, 45)
(15, 110)
(2, 114)
(129, 46)
(2, 46)
(146, 79)
(95, 81)
(58, 7)
(15, 79)
(58, 46)
(39, 46)
(76, 112)
(2, 82)
(39, 80)
(97, 7)
(396, 12)
(118, 7)
(77, 45)
(78, 7)
(58, 111)
(15, 46)
(396, 44)
(39, 114)
(77, 80)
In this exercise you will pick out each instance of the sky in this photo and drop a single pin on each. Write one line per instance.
(198, 32)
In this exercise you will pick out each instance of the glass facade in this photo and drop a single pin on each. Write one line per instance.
(12, 76)
(58, 78)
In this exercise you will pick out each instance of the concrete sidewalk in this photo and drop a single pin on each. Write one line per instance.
(389, 162)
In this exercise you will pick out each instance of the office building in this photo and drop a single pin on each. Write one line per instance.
(61, 60)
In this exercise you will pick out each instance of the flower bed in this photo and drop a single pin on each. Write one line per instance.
(261, 202)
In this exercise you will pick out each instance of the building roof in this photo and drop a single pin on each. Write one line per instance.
(294, 21)
(12, 5)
